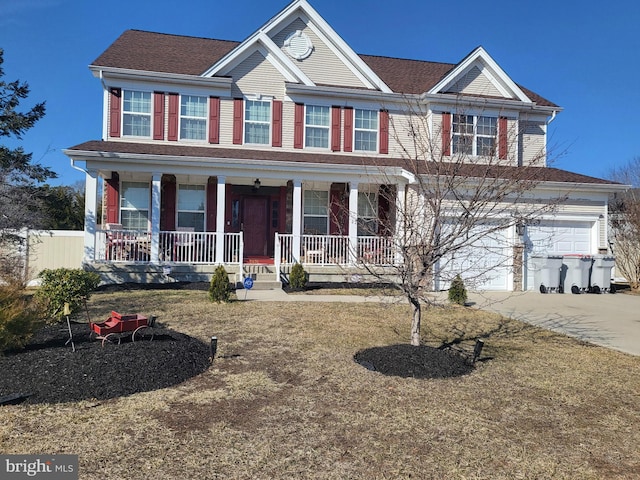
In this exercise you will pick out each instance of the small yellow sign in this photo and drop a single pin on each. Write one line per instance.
(67, 309)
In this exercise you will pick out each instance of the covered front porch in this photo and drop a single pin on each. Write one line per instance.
(171, 213)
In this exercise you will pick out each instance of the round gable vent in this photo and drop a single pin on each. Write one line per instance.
(298, 45)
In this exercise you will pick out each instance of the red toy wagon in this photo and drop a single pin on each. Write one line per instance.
(117, 325)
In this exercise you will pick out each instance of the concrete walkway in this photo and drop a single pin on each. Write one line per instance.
(608, 320)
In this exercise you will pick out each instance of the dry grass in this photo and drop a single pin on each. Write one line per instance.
(284, 399)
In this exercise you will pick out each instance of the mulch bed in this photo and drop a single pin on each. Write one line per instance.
(417, 362)
(48, 371)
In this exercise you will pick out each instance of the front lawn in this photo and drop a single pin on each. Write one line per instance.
(285, 399)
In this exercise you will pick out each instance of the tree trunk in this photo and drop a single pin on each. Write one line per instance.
(415, 322)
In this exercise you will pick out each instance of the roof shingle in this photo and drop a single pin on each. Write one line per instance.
(159, 52)
(539, 174)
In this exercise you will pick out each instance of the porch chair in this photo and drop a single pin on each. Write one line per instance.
(184, 244)
(115, 241)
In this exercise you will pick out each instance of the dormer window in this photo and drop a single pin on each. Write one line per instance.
(136, 114)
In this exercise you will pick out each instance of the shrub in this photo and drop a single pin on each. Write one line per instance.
(220, 289)
(457, 291)
(20, 317)
(65, 285)
(297, 277)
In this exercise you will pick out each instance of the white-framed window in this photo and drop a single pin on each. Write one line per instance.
(257, 122)
(367, 214)
(191, 206)
(316, 126)
(193, 117)
(136, 113)
(474, 135)
(316, 212)
(134, 205)
(366, 130)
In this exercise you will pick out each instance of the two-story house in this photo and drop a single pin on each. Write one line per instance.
(278, 149)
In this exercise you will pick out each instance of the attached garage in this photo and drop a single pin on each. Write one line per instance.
(487, 264)
(557, 237)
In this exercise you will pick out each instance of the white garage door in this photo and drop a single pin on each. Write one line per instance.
(557, 238)
(485, 265)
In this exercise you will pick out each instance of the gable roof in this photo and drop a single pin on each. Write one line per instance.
(166, 53)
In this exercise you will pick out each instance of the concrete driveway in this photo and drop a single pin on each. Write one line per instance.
(609, 320)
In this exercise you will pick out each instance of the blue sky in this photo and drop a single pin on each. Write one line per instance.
(584, 56)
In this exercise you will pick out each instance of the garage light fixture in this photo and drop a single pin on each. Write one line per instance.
(256, 184)
(520, 229)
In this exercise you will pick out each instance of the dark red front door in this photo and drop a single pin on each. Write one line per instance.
(255, 225)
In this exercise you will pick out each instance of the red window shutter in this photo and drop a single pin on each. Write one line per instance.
(502, 138)
(115, 110)
(384, 131)
(168, 204)
(238, 116)
(158, 116)
(446, 134)
(174, 106)
(212, 192)
(113, 198)
(276, 126)
(335, 129)
(386, 198)
(214, 120)
(298, 126)
(348, 129)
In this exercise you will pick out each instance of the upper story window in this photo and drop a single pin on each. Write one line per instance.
(317, 126)
(257, 122)
(134, 205)
(474, 135)
(136, 113)
(193, 117)
(366, 130)
(191, 201)
(316, 212)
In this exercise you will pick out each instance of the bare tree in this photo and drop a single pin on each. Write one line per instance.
(468, 191)
(624, 222)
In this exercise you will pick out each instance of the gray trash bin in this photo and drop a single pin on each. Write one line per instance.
(576, 275)
(601, 273)
(546, 273)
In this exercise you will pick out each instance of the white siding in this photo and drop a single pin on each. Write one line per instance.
(322, 66)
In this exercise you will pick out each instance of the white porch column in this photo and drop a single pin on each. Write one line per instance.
(400, 209)
(353, 222)
(220, 211)
(90, 215)
(296, 227)
(156, 191)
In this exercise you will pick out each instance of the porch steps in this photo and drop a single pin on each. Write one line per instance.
(263, 276)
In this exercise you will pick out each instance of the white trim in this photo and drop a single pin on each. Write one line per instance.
(303, 10)
(499, 78)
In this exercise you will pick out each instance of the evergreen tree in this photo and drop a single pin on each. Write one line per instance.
(19, 177)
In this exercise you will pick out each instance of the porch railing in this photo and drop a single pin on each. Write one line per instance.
(173, 247)
(334, 250)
